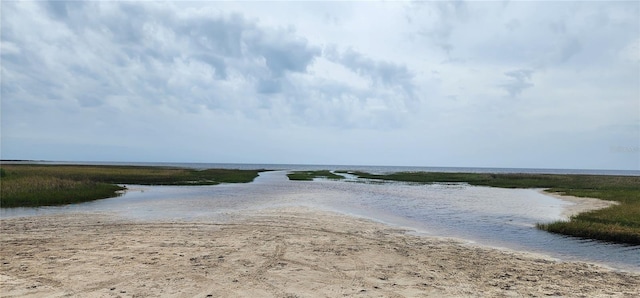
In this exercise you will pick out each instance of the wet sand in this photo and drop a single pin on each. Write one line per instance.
(295, 252)
(580, 204)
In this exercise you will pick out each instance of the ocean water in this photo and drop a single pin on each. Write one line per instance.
(369, 169)
(486, 216)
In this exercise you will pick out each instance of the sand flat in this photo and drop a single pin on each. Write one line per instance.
(295, 252)
(579, 204)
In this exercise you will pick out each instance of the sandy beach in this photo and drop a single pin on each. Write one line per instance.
(294, 252)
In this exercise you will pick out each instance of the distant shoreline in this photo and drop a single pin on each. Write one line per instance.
(364, 168)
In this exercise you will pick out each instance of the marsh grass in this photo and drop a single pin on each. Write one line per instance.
(310, 175)
(44, 191)
(619, 223)
(39, 185)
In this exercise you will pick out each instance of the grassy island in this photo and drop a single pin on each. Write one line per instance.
(309, 175)
(25, 185)
(619, 223)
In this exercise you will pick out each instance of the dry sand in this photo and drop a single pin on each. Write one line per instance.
(278, 253)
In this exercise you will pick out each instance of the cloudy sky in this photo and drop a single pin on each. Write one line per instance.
(471, 84)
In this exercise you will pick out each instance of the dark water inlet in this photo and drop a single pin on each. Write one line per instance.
(486, 216)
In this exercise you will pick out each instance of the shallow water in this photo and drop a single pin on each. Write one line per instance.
(487, 216)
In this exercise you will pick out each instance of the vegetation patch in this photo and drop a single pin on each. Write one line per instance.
(41, 185)
(310, 175)
(618, 223)
(44, 191)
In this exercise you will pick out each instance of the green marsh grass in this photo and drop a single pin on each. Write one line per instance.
(619, 223)
(46, 190)
(309, 175)
(40, 185)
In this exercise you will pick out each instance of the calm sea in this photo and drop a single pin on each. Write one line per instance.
(369, 169)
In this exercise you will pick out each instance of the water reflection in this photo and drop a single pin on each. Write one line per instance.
(487, 216)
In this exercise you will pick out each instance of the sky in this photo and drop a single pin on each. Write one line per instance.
(507, 84)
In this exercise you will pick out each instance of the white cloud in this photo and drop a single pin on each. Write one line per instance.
(519, 80)
(424, 83)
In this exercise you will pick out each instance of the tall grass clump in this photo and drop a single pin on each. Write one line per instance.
(45, 191)
(618, 223)
(38, 185)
